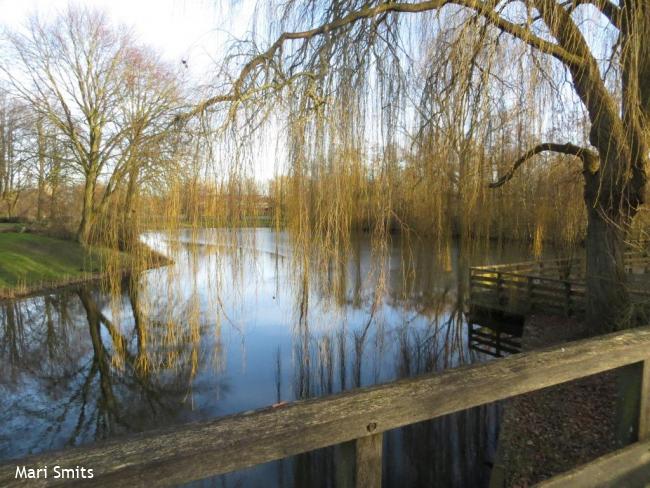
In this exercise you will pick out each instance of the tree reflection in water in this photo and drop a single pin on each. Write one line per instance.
(230, 328)
(68, 381)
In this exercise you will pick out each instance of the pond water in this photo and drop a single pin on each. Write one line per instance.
(233, 327)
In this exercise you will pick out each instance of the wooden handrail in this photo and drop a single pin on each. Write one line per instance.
(628, 467)
(198, 450)
(527, 287)
(556, 263)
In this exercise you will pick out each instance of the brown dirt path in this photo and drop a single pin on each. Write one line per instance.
(553, 430)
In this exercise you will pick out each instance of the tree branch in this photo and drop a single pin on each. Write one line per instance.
(485, 10)
(609, 10)
(589, 158)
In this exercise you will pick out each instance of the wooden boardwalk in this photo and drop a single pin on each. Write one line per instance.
(554, 287)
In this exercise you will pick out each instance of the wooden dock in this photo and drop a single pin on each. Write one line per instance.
(555, 287)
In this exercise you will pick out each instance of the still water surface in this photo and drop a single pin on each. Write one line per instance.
(229, 328)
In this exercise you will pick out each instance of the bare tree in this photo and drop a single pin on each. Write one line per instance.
(77, 72)
(151, 97)
(14, 174)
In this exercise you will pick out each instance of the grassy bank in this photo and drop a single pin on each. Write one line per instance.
(29, 261)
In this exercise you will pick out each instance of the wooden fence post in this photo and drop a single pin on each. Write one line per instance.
(644, 402)
(500, 297)
(630, 407)
(369, 464)
(359, 462)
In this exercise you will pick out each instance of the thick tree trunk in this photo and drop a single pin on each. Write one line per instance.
(83, 232)
(615, 192)
(635, 27)
(607, 297)
(128, 234)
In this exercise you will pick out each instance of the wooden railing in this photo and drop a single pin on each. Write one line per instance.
(492, 341)
(358, 418)
(554, 287)
(523, 294)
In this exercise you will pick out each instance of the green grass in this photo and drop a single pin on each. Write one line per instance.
(28, 260)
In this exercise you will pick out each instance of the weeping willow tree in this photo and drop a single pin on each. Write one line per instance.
(362, 78)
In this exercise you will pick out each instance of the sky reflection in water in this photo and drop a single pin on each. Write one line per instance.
(232, 328)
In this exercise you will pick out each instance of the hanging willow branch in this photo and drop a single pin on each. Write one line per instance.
(487, 10)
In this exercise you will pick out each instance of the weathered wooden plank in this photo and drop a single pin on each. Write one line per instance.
(514, 276)
(644, 406)
(515, 285)
(628, 467)
(532, 264)
(505, 280)
(484, 284)
(556, 265)
(492, 336)
(491, 276)
(369, 464)
(194, 451)
(496, 344)
(557, 281)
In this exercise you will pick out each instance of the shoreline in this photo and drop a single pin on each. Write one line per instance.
(152, 258)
